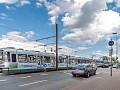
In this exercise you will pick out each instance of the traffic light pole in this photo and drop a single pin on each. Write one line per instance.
(56, 47)
(111, 61)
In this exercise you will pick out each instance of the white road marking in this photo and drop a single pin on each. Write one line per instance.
(68, 73)
(26, 77)
(32, 83)
(98, 77)
(3, 80)
(44, 74)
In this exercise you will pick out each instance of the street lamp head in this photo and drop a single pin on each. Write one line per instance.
(115, 33)
(59, 48)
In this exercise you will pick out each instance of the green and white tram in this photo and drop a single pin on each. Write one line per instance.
(18, 61)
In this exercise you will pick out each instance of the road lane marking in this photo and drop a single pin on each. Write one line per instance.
(3, 80)
(98, 77)
(26, 77)
(44, 74)
(68, 73)
(32, 83)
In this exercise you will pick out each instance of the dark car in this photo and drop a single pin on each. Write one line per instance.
(105, 66)
(83, 70)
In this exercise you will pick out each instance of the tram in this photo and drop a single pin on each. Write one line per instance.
(14, 61)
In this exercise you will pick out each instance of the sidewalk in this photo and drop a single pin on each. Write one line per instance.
(98, 82)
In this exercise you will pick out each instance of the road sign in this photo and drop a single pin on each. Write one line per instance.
(45, 65)
(111, 43)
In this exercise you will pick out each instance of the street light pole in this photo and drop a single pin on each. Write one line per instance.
(75, 53)
(116, 44)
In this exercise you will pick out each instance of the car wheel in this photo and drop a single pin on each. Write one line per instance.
(95, 72)
(74, 75)
(88, 75)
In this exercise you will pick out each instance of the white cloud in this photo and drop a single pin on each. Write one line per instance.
(66, 50)
(57, 7)
(7, 7)
(110, 1)
(83, 48)
(99, 52)
(15, 36)
(85, 20)
(29, 34)
(15, 39)
(105, 23)
(8, 1)
(3, 14)
(118, 3)
(23, 2)
(38, 4)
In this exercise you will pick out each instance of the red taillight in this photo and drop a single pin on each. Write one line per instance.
(83, 69)
(73, 69)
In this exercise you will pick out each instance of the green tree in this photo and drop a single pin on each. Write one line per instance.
(113, 59)
(105, 58)
(117, 61)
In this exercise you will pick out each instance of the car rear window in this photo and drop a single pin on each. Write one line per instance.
(80, 66)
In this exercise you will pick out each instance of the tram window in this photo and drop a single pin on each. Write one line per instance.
(42, 61)
(13, 57)
(31, 59)
(1, 57)
(22, 58)
(60, 59)
(47, 59)
(65, 60)
(38, 60)
(8, 56)
(53, 60)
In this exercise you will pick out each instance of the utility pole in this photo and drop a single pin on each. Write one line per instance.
(116, 45)
(111, 43)
(111, 57)
(56, 47)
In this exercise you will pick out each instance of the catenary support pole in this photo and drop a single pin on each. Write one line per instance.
(56, 47)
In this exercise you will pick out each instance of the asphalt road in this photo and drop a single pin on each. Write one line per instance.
(41, 81)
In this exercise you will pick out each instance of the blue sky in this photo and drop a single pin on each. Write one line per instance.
(85, 26)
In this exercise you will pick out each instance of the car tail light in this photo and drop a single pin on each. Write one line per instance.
(73, 69)
(83, 69)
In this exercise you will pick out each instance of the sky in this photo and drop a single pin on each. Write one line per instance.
(84, 26)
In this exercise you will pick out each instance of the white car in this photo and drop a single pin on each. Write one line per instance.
(114, 66)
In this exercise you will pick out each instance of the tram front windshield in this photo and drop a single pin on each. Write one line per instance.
(1, 57)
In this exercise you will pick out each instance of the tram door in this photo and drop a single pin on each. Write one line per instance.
(39, 60)
(13, 57)
(14, 62)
